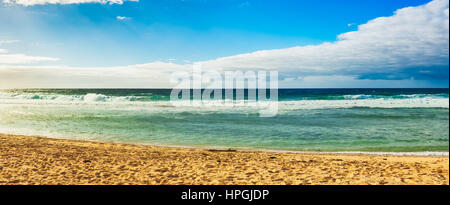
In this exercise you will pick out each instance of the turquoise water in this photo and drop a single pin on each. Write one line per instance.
(380, 120)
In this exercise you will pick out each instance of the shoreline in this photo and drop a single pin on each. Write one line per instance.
(376, 153)
(40, 160)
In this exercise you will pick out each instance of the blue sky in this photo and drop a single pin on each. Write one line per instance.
(186, 31)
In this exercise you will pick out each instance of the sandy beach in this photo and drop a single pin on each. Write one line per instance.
(37, 160)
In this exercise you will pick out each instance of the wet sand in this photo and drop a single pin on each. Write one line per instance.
(36, 160)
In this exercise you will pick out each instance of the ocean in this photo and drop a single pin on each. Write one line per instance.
(317, 120)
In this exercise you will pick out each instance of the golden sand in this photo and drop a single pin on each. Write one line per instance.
(35, 160)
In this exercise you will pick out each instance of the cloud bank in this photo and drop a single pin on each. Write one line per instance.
(413, 44)
(8, 41)
(42, 2)
(7, 58)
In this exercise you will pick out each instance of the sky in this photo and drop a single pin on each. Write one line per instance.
(138, 44)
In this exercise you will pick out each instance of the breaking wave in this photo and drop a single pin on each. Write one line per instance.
(343, 101)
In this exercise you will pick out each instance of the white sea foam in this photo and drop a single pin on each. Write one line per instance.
(369, 103)
(425, 153)
(360, 96)
(350, 101)
(37, 98)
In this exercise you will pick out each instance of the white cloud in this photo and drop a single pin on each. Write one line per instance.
(42, 2)
(123, 18)
(8, 58)
(8, 41)
(151, 75)
(412, 37)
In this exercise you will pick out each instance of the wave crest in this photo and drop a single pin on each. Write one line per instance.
(347, 101)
